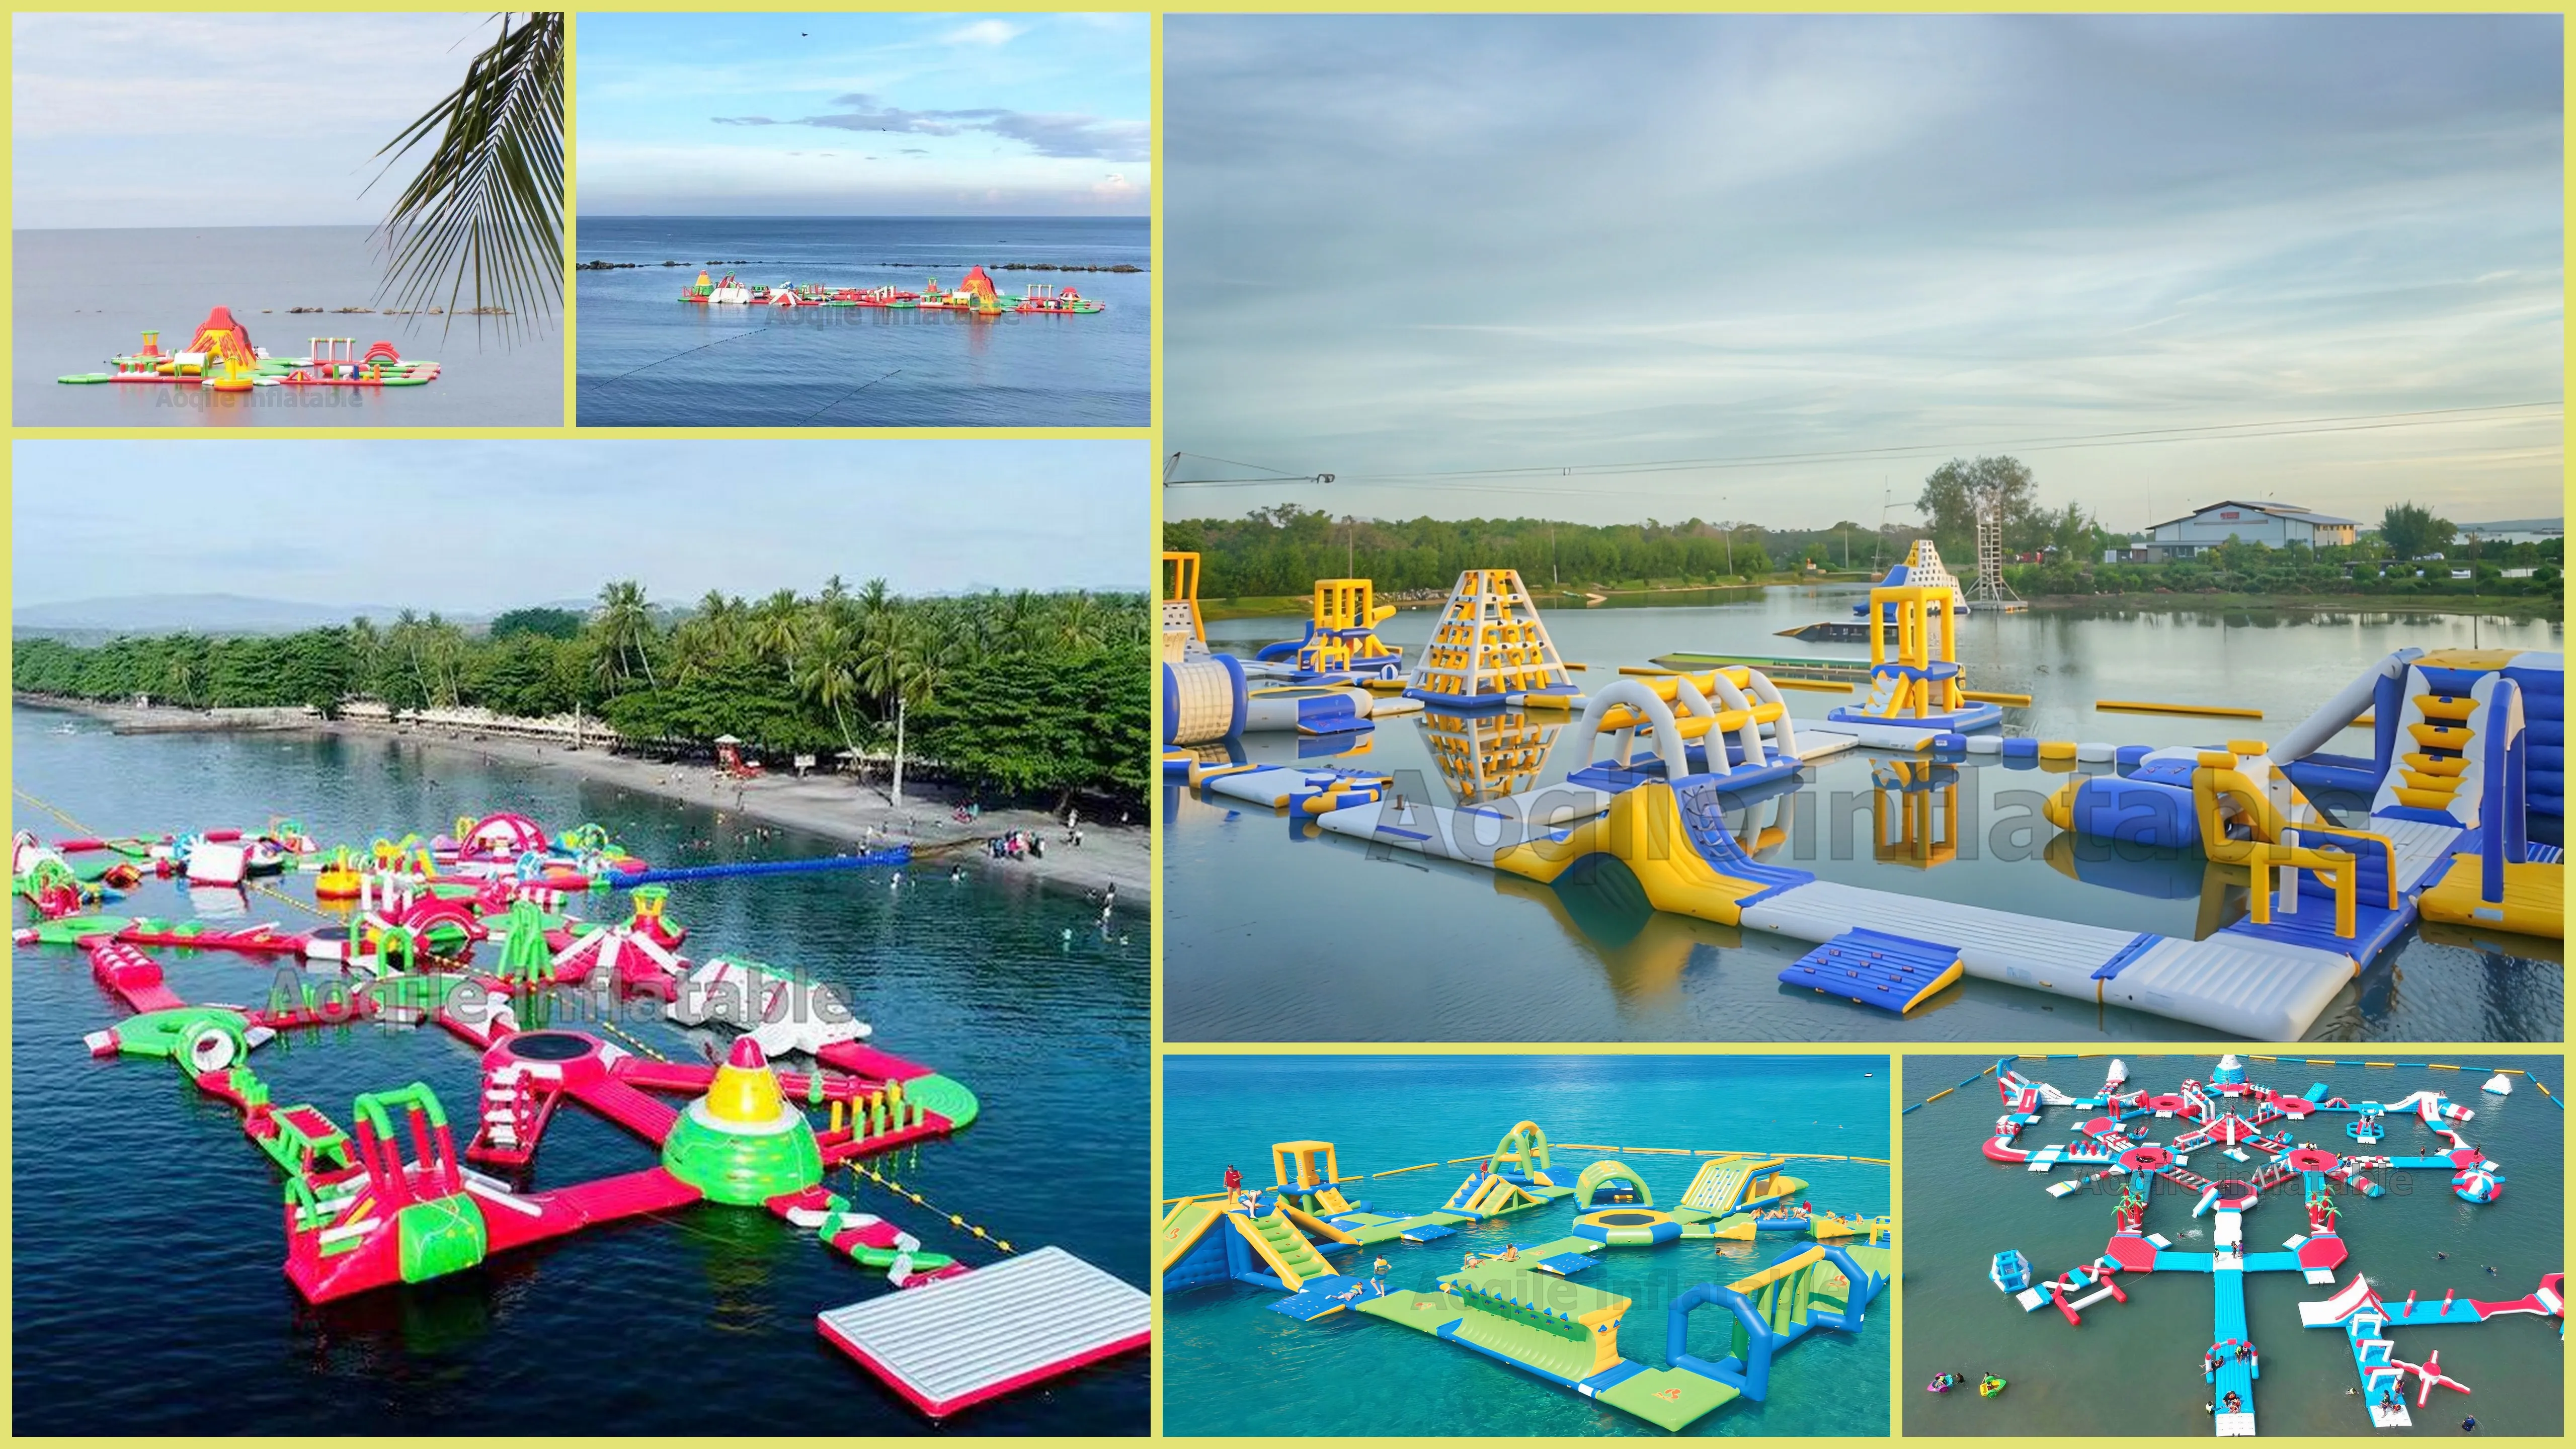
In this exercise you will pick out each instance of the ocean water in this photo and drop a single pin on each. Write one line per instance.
(1587, 960)
(648, 359)
(149, 1291)
(82, 297)
(2134, 1367)
(1231, 1366)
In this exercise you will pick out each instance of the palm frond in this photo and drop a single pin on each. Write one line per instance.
(485, 212)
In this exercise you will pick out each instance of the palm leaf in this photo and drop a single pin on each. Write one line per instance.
(485, 212)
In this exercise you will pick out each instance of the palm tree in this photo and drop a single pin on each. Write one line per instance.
(1080, 622)
(366, 656)
(890, 659)
(709, 636)
(625, 626)
(834, 670)
(486, 208)
(778, 627)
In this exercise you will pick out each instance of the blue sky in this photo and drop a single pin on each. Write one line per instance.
(811, 114)
(482, 526)
(173, 119)
(1415, 245)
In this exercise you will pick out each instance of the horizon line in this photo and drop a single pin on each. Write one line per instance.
(860, 216)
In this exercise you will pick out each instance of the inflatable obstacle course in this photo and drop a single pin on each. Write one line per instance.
(976, 295)
(1518, 1307)
(2258, 1132)
(406, 1192)
(220, 357)
(2463, 740)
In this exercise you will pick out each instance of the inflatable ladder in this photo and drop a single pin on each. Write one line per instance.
(2383, 1384)
(2435, 774)
(1460, 1200)
(1285, 1248)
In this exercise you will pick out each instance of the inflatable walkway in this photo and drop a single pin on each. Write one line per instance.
(1672, 836)
(1568, 1334)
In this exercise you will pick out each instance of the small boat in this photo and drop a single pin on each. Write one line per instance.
(1989, 1386)
(1943, 1383)
(2011, 1271)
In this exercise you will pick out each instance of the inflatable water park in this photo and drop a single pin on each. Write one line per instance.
(975, 294)
(2453, 818)
(220, 357)
(1525, 1307)
(472, 933)
(2136, 1145)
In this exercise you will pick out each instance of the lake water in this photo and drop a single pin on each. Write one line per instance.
(2134, 1367)
(649, 359)
(82, 297)
(1281, 934)
(1231, 1366)
(149, 1291)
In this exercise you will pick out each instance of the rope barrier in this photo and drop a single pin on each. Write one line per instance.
(674, 357)
(845, 397)
(610, 1027)
(870, 1174)
(50, 810)
(273, 893)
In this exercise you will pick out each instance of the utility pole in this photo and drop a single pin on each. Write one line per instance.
(2474, 621)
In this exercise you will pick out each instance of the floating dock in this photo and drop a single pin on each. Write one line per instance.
(983, 1334)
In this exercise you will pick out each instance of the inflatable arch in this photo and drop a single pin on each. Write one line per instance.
(1643, 704)
(501, 837)
(1773, 1309)
(1610, 1172)
(1522, 1153)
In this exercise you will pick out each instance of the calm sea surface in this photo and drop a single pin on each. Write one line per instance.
(1231, 1366)
(150, 1296)
(1276, 933)
(649, 359)
(2134, 1367)
(82, 297)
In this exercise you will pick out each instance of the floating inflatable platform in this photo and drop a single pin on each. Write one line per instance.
(983, 1334)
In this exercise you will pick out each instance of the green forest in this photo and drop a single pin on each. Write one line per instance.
(1025, 694)
(1282, 550)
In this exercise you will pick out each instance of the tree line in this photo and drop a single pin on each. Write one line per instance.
(1282, 550)
(1026, 693)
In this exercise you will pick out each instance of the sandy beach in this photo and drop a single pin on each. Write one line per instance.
(846, 809)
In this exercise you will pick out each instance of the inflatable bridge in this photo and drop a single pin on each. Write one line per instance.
(1568, 1334)
(1673, 836)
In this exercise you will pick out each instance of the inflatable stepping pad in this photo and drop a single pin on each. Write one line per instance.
(1566, 1263)
(1894, 973)
(1321, 1297)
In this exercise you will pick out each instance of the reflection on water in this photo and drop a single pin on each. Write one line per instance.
(1587, 959)
(1484, 756)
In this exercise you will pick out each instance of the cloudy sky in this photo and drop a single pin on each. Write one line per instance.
(863, 115)
(173, 119)
(1809, 258)
(483, 526)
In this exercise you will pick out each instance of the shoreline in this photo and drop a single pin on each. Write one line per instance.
(842, 809)
(2518, 607)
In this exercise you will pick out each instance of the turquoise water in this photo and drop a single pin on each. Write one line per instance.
(149, 1296)
(2134, 1368)
(1417, 950)
(1231, 1366)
